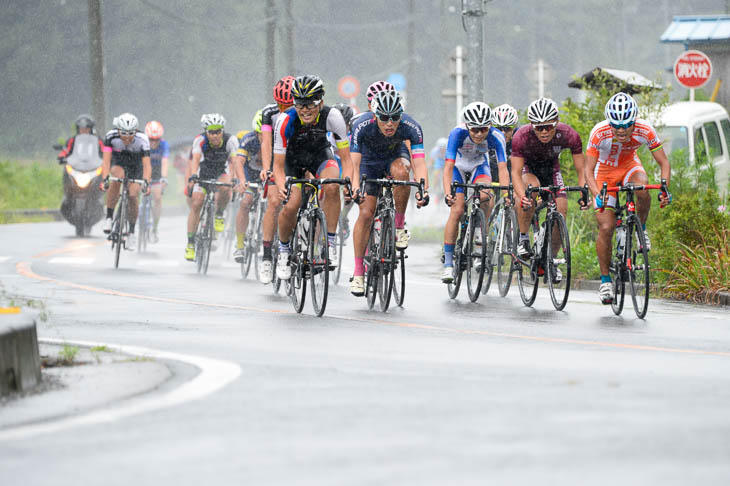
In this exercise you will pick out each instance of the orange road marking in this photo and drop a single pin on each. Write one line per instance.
(9, 310)
(24, 269)
(74, 246)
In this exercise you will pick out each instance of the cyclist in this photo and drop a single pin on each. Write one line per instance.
(301, 147)
(212, 151)
(347, 113)
(84, 125)
(467, 156)
(379, 149)
(126, 154)
(611, 157)
(270, 113)
(248, 165)
(159, 155)
(535, 151)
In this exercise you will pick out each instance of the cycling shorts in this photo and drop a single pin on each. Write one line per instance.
(552, 178)
(480, 174)
(614, 176)
(298, 167)
(132, 169)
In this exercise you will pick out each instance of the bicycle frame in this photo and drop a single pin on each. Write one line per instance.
(120, 222)
(206, 234)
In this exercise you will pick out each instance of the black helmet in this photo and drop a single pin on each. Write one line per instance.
(346, 111)
(84, 121)
(307, 88)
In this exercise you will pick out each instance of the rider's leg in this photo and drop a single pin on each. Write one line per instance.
(242, 218)
(361, 232)
(196, 205)
(112, 194)
(452, 228)
(134, 190)
(400, 170)
(331, 203)
(288, 217)
(643, 199)
(524, 216)
(157, 204)
(270, 220)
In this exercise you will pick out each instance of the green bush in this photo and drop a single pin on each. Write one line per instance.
(30, 185)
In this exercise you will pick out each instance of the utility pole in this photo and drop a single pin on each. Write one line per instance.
(270, 47)
(410, 74)
(471, 16)
(96, 51)
(458, 75)
(290, 68)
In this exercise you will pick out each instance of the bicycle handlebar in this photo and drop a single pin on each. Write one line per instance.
(127, 180)
(420, 185)
(314, 182)
(630, 187)
(555, 189)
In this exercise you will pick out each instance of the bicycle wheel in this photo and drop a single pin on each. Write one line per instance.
(399, 278)
(637, 263)
(297, 283)
(527, 278)
(458, 263)
(229, 233)
(247, 253)
(387, 258)
(318, 262)
(340, 245)
(617, 271)
(275, 281)
(372, 264)
(476, 252)
(142, 225)
(558, 260)
(118, 228)
(505, 249)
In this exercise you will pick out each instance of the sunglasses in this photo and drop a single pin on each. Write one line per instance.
(127, 133)
(479, 129)
(217, 131)
(624, 125)
(386, 118)
(505, 128)
(307, 104)
(545, 128)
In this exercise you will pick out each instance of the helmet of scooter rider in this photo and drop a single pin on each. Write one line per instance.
(126, 122)
(154, 130)
(212, 121)
(84, 121)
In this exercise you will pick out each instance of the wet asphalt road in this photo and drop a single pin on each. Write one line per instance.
(439, 392)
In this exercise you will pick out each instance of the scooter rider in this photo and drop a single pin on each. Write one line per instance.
(84, 125)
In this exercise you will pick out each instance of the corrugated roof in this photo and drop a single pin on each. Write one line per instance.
(630, 81)
(697, 28)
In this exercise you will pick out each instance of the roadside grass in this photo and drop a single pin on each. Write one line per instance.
(30, 185)
(67, 355)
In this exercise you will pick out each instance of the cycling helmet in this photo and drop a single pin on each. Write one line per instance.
(346, 111)
(258, 119)
(388, 103)
(212, 121)
(126, 122)
(307, 88)
(477, 115)
(282, 91)
(377, 87)
(154, 130)
(621, 109)
(504, 116)
(84, 121)
(542, 110)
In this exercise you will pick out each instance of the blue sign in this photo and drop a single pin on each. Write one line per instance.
(398, 80)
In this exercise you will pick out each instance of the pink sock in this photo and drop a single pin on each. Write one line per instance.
(359, 267)
(400, 220)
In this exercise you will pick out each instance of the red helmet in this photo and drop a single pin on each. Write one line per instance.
(377, 87)
(154, 129)
(282, 91)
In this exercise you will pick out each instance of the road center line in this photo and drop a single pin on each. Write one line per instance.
(24, 268)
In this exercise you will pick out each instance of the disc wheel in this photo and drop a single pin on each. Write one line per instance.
(637, 264)
(476, 252)
(318, 263)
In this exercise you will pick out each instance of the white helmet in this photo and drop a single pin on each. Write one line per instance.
(126, 122)
(542, 110)
(504, 116)
(477, 115)
(212, 121)
(621, 109)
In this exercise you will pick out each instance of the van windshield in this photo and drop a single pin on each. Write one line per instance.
(674, 138)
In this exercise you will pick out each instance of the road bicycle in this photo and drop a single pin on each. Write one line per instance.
(253, 240)
(205, 235)
(502, 232)
(229, 232)
(385, 266)
(343, 233)
(550, 256)
(120, 223)
(309, 257)
(144, 222)
(630, 258)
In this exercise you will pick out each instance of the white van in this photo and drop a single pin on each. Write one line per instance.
(706, 122)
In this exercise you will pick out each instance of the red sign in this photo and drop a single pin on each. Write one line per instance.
(692, 69)
(348, 86)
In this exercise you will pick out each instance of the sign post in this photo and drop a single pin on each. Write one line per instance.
(692, 69)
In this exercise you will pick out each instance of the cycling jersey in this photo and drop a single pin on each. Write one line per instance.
(129, 157)
(306, 147)
(542, 159)
(250, 149)
(269, 114)
(473, 158)
(214, 160)
(377, 149)
(156, 155)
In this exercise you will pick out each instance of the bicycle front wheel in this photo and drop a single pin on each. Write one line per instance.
(318, 262)
(118, 229)
(458, 262)
(387, 258)
(340, 245)
(558, 260)
(275, 281)
(637, 263)
(476, 252)
(399, 278)
(505, 249)
(297, 283)
(617, 271)
(372, 264)
(527, 275)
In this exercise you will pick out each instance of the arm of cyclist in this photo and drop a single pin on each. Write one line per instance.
(146, 173)
(518, 163)
(588, 171)
(356, 158)
(579, 162)
(239, 173)
(660, 156)
(448, 177)
(280, 174)
(420, 171)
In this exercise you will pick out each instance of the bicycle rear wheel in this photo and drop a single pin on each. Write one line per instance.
(297, 283)
(527, 278)
(458, 263)
(387, 257)
(246, 263)
(318, 262)
(372, 265)
(617, 271)
(275, 281)
(558, 260)
(476, 262)
(399, 278)
(637, 264)
(119, 228)
(505, 249)
(339, 244)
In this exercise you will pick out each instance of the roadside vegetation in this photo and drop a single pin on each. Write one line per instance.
(29, 185)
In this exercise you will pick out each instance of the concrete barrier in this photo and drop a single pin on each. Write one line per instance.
(20, 362)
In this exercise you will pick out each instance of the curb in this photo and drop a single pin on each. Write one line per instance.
(20, 362)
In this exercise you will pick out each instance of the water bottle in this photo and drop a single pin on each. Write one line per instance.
(620, 239)
(539, 236)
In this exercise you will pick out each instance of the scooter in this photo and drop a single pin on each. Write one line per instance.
(82, 199)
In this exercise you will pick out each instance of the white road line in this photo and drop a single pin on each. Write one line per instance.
(214, 375)
(72, 260)
(159, 263)
(4, 259)
(230, 265)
